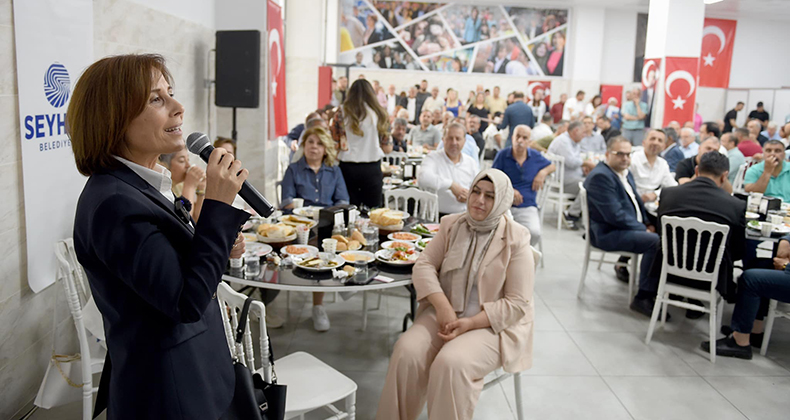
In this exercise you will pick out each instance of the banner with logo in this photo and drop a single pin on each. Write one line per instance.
(54, 44)
(680, 89)
(718, 37)
(279, 114)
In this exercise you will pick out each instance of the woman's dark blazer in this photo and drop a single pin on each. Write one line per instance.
(154, 278)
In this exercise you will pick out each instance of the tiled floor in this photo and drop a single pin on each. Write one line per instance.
(590, 360)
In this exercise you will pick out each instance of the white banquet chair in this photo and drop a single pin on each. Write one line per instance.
(556, 193)
(311, 383)
(500, 375)
(426, 204)
(72, 276)
(675, 240)
(589, 248)
(774, 311)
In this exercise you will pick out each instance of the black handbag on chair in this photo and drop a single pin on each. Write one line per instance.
(254, 398)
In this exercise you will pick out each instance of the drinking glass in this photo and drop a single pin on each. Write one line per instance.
(253, 265)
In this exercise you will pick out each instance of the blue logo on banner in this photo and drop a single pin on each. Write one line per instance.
(57, 84)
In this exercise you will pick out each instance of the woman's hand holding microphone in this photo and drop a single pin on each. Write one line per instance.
(224, 178)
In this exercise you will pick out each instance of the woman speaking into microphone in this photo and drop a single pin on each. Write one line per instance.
(153, 271)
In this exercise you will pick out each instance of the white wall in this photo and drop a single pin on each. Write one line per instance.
(761, 54)
(619, 45)
(198, 11)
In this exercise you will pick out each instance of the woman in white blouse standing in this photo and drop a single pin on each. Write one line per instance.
(357, 128)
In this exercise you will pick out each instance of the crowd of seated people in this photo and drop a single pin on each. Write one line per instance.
(675, 169)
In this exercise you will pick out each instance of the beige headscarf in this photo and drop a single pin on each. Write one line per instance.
(461, 263)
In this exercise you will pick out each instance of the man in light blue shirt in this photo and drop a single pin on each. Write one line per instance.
(688, 142)
(730, 142)
(633, 117)
(771, 132)
(771, 176)
(568, 146)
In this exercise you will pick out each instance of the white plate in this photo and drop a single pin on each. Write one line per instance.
(258, 248)
(369, 256)
(388, 244)
(309, 211)
(432, 227)
(403, 215)
(426, 241)
(311, 250)
(381, 256)
(389, 228)
(414, 237)
(248, 225)
(250, 237)
(393, 181)
(782, 229)
(752, 216)
(336, 258)
(268, 240)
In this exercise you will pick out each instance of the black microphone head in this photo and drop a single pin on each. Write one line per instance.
(196, 142)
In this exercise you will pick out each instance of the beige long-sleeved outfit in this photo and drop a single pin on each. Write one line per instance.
(450, 375)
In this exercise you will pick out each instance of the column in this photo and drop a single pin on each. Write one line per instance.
(674, 29)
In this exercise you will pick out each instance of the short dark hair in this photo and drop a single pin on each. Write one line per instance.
(739, 103)
(518, 94)
(759, 104)
(713, 163)
(614, 140)
(712, 128)
(604, 118)
(574, 125)
(742, 131)
(498, 114)
(776, 142)
(733, 138)
(671, 133)
(546, 117)
(581, 92)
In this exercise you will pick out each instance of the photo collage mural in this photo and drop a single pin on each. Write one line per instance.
(457, 38)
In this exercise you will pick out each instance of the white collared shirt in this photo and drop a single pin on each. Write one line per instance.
(624, 179)
(437, 174)
(650, 178)
(159, 178)
(411, 106)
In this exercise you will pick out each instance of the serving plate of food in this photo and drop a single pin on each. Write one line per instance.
(296, 220)
(427, 229)
(398, 256)
(423, 243)
(302, 251)
(350, 243)
(397, 245)
(322, 262)
(403, 236)
(258, 248)
(309, 211)
(354, 256)
(275, 233)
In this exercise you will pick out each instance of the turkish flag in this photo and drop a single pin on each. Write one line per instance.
(611, 91)
(278, 112)
(535, 85)
(680, 89)
(718, 36)
(651, 69)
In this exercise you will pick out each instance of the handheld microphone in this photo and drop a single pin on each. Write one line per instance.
(199, 144)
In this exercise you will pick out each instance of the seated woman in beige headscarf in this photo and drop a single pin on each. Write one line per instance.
(474, 283)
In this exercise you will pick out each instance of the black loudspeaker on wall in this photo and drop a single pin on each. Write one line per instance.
(238, 68)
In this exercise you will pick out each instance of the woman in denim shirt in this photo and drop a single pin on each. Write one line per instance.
(317, 179)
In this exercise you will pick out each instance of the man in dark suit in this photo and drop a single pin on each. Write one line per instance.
(705, 198)
(618, 220)
(516, 114)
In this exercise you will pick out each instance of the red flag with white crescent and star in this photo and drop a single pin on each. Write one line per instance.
(718, 36)
(278, 114)
(535, 85)
(680, 89)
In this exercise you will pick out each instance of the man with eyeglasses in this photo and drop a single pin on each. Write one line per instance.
(618, 220)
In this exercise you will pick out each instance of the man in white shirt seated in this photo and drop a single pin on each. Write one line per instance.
(448, 172)
(567, 145)
(688, 142)
(470, 147)
(543, 129)
(592, 142)
(650, 171)
(574, 107)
